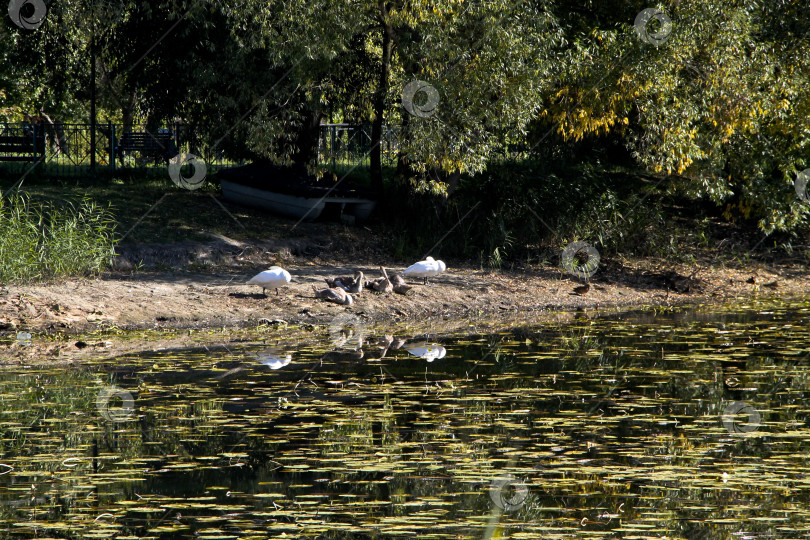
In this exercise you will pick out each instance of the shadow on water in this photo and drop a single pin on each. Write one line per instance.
(684, 424)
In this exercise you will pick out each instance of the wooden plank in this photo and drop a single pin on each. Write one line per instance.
(23, 147)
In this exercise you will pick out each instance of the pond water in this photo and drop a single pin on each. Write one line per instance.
(685, 424)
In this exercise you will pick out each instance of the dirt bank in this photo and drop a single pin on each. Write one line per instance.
(204, 289)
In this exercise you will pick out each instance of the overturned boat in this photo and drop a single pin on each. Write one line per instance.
(293, 192)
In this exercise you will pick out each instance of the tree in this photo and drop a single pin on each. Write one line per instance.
(722, 101)
(491, 62)
(46, 69)
(485, 59)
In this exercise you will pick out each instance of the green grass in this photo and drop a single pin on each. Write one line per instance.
(45, 240)
(149, 208)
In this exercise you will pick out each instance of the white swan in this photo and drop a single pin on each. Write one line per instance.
(428, 351)
(271, 279)
(425, 269)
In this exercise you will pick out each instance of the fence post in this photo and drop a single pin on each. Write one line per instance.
(34, 135)
(176, 135)
(318, 145)
(111, 131)
(333, 147)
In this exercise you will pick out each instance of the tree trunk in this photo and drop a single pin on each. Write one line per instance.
(127, 116)
(307, 140)
(403, 170)
(379, 101)
(452, 182)
(128, 111)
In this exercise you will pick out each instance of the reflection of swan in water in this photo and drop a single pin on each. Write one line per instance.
(343, 355)
(428, 351)
(345, 336)
(273, 361)
(386, 343)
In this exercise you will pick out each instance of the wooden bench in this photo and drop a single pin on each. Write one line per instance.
(157, 145)
(23, 147)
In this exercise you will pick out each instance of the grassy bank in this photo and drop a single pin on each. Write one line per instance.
(512, 215)
(43, 240)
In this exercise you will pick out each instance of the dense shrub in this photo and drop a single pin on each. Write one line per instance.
(527, 211)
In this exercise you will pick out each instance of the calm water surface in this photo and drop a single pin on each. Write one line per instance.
(688, 424)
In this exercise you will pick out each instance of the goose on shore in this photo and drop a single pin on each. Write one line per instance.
(385, 284)
(271, 279)
(582, 289)
(356, 285)
(334, 294)
(425, 269)
(339, 282)
(382, 284)
(353, 284)
(400, 287)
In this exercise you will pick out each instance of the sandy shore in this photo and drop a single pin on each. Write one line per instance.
(180, 299)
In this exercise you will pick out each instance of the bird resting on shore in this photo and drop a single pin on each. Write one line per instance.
(334, 294)
(425, 269)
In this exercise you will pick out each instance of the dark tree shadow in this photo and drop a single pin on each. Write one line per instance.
(255, 296)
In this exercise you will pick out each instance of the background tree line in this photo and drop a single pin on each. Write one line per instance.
(721, 104)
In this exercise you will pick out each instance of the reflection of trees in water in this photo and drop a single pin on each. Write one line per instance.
(601, 427)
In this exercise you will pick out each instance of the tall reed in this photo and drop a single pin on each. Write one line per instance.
(44, 240)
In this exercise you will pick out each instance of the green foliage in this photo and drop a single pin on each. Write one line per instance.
(722, 105)
(723, 101)
(46, 240)
(491, 62)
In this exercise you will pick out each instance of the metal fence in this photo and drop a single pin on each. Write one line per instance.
(61, 149)
(66, 149)
(350, 145)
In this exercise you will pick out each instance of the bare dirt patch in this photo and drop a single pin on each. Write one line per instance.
(203, 287)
